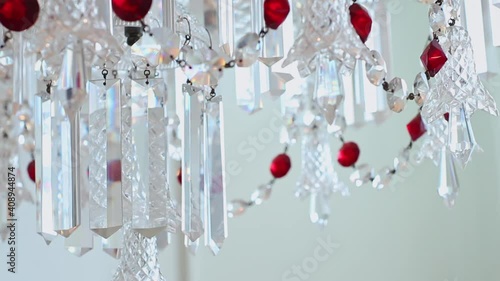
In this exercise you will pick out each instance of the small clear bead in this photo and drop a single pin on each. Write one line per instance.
(261, 194)
(236, 208)
(396, 103)
(437, 19)
(402, 163)
(421, 88)
(247, 50)
(397, 94)
(383, 179)
(363, 174)
(376, 72)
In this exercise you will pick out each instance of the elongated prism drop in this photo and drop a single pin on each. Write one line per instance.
(461, 140)
(192, 182)
(82, 240)
(327, 93)
(114, 244)
(43, 150)
(65, 170)
(448, 180)
(105, 172)
(215, 185)
(150, 208)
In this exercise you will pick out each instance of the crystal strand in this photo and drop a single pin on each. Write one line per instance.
(448, 180)
(138, 259)
(327, 93)
(192, 157)
(45, 223)
(65, 187)
(106, 214)
(215, 186)
(150, 210)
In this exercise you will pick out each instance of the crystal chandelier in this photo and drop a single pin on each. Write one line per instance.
(102, 98)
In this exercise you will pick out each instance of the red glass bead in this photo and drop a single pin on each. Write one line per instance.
(280, 165)
(416, 128)
(131, 10)
(275, 12)
(433, 58)
(348, 154)
(115, 170)
(31, 170)
(446, 116)
(179, 176)
(19, 15)
(361, 21)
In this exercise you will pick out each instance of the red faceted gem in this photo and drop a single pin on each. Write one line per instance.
(433, 58)
(280, 165)
(131, 10)
(361, 21)
(179, 176)
(275, 12)
(416, 128)
(31, 170)
(348, 154)
(18, 15)
(115, 170)
(446, 116)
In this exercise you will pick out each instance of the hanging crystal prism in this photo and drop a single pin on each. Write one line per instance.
(192, 181)
(327, 93)
(272, 47)
(150, 211)
(106, 215)
(225, 26)
(65, 171)
(215, 187)
(448, 180)
(113, 245)
(248, 90)
(461, 140)
(43, 133)
(138, 258)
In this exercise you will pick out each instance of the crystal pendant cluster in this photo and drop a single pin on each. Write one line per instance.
(102, 98)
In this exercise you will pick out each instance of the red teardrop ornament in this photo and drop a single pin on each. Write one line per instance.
(433, 58)
(32, 170)
(280, 165)
(416, 128)
(115, 170)
(348, 154)
(361, 21)
(131, 10)
(18, 15)
(275, 12)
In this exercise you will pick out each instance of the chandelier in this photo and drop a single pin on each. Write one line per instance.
(102, 99)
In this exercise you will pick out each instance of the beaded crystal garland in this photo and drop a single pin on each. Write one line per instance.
(102, 99)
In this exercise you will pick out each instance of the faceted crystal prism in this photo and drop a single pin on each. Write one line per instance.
(71, 85)
(214, 182)
(248, 89)
(272, 47)
(327, 93)
(43, 135)
(448, 180)
(192, 180)
(247, 50)
(65, 164)
(105, 189)
(461, 140)
(82, 240)
(150, 209)
(225, 26)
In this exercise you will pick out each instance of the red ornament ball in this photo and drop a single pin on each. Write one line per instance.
(280, 165)
(32, 170)
(348, 154)
(179, 176)
(275, 12)
(131, 10)
(115, 170)
(18, 15)
(361, 21)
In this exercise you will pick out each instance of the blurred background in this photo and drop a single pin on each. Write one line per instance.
(403, 233)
